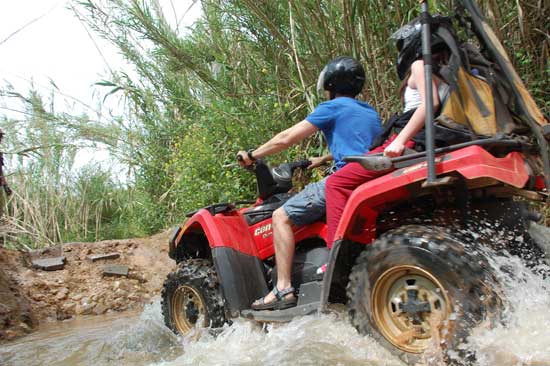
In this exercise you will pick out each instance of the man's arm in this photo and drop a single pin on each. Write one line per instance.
(281, 141)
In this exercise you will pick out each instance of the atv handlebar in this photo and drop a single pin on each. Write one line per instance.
(300, 164)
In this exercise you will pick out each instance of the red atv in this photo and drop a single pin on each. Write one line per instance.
(410, 256)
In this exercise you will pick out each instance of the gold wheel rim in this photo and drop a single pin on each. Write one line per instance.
(410, 330)
(187, 308)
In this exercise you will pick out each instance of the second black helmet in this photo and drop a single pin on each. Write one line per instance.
(343, 75)
(408, 40)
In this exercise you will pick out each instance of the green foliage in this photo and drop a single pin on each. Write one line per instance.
(247, 69)
(244, 71)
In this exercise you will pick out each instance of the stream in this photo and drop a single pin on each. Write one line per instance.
(329, 339)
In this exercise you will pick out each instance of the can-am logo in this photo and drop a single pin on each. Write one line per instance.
(262, 229)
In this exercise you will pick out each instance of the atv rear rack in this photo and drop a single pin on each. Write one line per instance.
(378, 162)
(527, 107)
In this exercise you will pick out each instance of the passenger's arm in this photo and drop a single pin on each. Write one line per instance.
(281, 141)
(418, 118)
(320, 160)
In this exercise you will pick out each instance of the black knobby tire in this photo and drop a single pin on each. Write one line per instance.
(453, 278)
(192, 292)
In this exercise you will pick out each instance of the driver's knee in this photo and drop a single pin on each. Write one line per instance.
(280, 217)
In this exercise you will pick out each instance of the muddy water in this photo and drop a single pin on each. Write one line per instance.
(142, 339)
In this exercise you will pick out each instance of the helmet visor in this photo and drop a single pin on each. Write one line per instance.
(321, 82)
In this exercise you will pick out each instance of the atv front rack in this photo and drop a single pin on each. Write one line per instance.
(220, 207)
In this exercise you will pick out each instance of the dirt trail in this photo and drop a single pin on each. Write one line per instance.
(31, 296)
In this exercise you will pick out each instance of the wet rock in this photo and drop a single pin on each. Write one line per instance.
(25, 327)
(120, 292)
(10, 334)
(97, 257)
(100, 309)
(69, 308)
(62, 294)
(84, 309)
(38, 296)
(138, 277)
(62, 315)
(49, 264)
(541, 236)
(115, 270)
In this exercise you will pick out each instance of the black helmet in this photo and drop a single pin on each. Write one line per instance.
(408, 40)
(343, 75)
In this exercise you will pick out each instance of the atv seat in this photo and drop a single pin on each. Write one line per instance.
(265, 210)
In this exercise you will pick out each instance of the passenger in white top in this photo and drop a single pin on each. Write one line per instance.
(414, 98)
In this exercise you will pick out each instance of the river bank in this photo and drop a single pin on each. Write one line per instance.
(84, 286)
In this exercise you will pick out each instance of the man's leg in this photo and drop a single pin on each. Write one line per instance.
(283, 240)
(304, 208)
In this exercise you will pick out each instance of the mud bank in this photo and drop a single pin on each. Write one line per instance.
(31, 296)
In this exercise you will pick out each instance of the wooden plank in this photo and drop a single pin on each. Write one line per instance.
(115, 270)
(49, 264)
(97, 257)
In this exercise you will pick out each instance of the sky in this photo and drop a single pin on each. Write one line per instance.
(42, 40)
(53, 45)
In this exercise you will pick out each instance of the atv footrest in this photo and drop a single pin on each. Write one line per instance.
(285, 315)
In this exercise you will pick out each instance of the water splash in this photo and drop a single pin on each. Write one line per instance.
(115, 339)
(524, 337)
(311, 340)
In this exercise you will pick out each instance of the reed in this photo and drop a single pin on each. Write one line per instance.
(246, 70)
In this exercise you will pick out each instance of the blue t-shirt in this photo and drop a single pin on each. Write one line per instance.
(349, 126)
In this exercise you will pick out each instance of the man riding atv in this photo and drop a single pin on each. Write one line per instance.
(349, 127)
(410, 259)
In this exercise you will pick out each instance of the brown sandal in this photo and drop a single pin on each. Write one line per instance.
(279, 303)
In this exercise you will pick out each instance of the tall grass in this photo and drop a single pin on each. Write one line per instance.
(55, 198)
(87, 206)
(248, 68)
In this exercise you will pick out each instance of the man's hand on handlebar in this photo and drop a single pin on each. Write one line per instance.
(244, 159)
(315, 162)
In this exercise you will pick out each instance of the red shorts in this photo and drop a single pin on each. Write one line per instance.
(341, 184)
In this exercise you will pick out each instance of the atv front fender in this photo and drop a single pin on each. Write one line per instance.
(229, 231)
(226, 239)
